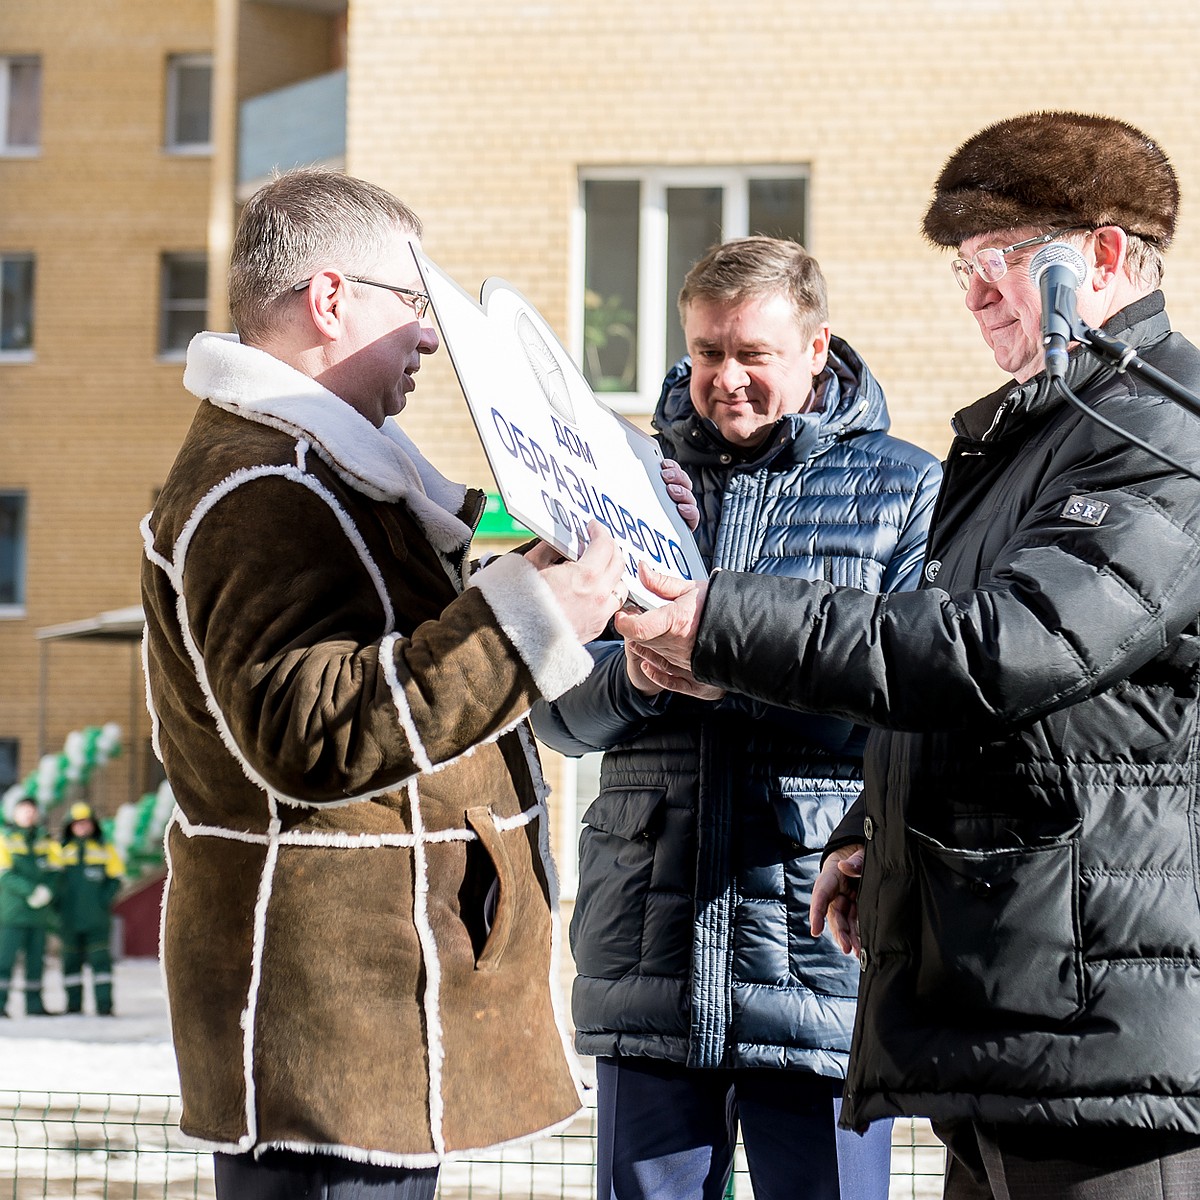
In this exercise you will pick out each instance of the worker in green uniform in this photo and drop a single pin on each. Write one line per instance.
(28, 862)
(89, 876)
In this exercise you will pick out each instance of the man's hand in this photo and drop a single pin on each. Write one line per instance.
(590, 589)
(679, 488)
(835, 898)
(662, 675)
(669, 631)
(39, 897)
(640, 680)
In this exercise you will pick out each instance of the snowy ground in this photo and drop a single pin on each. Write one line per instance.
(129, 1052)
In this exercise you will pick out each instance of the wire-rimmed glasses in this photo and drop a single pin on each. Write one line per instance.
(990, 263)
(418, 300)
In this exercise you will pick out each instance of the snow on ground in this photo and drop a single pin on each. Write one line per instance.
(131, 1054)
(126, 1053)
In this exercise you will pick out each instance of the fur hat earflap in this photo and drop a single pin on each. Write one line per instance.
(1055, 169)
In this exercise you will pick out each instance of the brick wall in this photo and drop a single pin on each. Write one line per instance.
(90, 427)
(481, 113)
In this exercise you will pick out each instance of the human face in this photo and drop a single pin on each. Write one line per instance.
(752, 364)
(1009, 311)
(373, 362)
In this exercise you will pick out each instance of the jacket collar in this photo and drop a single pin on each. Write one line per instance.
(849, 401)
(382, 463)
(1006, 410)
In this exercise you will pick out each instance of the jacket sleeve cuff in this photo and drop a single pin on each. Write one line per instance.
(851, 830)
(535, 624)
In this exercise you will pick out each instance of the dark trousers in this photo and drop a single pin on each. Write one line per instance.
(91, 948)
(29, 944)
(668, 1132)
(288, 1175)
(1028, 1162)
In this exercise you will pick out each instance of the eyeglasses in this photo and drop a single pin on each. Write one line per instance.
(418, 300)
(991, 264)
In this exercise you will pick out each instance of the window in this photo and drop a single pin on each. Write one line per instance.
(16, 305)
(12, 553)
(20, 104)
(10, 752)
(184, 302)
(580, 785)
(641, 232)
(189, 104)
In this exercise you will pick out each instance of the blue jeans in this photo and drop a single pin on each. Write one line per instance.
(668, 1132)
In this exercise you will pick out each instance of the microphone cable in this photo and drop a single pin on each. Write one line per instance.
(1161, 455)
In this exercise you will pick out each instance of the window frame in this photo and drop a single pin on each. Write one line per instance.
(7, 148)
(168, 305)
(12, 744)
(655, 182)
(16, 609)
(22, 354)
(175, 64)
(568, 817)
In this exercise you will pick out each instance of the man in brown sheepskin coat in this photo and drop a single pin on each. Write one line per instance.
(1021, 882)
(360, 927)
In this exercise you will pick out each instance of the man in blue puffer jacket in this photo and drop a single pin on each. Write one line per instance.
(699, 988)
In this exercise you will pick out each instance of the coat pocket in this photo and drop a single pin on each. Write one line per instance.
(618, 872)
(499, 903)
(1000, 927)
(626, 812)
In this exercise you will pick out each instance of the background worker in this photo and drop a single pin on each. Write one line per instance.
(28, 861)
(90, 872)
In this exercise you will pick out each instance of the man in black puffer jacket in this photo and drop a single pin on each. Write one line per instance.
(697, 978)
(1028, 903)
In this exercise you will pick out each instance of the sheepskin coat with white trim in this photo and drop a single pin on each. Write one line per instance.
(359, 930)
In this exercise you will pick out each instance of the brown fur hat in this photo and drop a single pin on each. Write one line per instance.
(1055, 168)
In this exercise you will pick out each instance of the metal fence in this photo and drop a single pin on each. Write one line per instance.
(55, 1145)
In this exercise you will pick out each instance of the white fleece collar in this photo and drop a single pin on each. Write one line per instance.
(383, 463)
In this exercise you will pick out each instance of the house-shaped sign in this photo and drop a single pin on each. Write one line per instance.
(560, 457)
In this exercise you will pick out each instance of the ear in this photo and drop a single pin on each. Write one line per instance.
(820, 348)
(324, 297)
(1109, 244)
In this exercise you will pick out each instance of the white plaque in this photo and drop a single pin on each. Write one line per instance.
(561, 458)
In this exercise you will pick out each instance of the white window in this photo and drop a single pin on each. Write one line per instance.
(20, 104)
(639, 232)
(16, 306)
(579, 785)
(184, 306)
(189, 104)
(12, 554)
(10, 752)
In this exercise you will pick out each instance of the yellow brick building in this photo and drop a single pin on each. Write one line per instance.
(584, 151)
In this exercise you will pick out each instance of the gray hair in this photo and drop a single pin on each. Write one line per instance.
(1144, 263)
(748, 267)
(299, 222)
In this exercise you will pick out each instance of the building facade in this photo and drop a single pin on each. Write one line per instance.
(585, 152)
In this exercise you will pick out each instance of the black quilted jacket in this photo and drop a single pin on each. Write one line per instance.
(1030, 906)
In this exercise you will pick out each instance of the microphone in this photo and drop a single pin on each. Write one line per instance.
(1057, 269)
